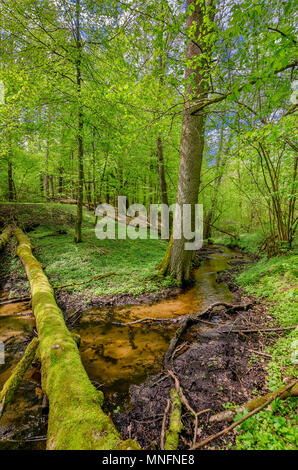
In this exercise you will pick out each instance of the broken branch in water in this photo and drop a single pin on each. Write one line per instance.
(12, 384)
(15, 300)
(266, 402)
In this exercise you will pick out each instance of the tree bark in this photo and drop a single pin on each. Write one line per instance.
(12, 384)
(10, 182)
(192, 139)
(4, 237)
(79, 219)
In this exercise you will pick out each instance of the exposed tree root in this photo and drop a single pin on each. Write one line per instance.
(257, 330)
(185, 402)
(164, 423)
(76, 420)
(5, 236)
(15, 300)
(190, 320)
(263, 402)
(12, 384)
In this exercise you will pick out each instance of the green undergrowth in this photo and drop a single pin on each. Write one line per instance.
(275, 280)
(132, 262)
(249, 242)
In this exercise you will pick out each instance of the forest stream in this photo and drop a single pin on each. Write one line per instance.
(115, 357)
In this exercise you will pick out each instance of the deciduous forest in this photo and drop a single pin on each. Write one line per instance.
(128, 338)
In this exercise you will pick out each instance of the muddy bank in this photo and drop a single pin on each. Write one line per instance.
(73, 303)
(212, 372)
(117, 357)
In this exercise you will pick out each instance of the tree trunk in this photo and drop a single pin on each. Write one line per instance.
(76, 420)
(46, 174)
(10, 182)
(60, 185)
(192, 140)
(4, 237)
(12, 384)
(79, 219)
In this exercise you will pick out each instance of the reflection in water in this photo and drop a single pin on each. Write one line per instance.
(117, 356)
(114, 356)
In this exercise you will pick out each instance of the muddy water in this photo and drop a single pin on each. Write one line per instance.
(114, 356)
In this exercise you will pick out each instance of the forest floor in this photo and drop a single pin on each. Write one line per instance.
(215, 372)
(129, 265)
(218, 372)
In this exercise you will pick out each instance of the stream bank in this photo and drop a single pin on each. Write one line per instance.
(125, 362)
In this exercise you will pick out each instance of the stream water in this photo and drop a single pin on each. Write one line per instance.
(114, 356)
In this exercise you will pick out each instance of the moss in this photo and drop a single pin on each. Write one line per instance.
(76, 420)
(175, 426)
(4, 237)
(12, 384)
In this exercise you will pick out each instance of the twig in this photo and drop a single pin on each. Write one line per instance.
(185, 402)
(259, 352)
(164, 422)
(15, 300)
(257, 330)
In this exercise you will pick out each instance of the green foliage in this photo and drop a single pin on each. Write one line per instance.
(133, 261)
(275, 428)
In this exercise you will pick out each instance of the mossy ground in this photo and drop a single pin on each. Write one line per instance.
(132, 261)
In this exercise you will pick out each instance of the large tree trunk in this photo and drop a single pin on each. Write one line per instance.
(79, 219)
(76, 420)
(192, 140)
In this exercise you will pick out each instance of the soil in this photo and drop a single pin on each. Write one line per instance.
(212, 372)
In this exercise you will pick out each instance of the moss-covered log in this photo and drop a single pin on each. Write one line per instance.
(76, 420)
(4, 237)
(175, 426)
(12, 384)
(229, 415)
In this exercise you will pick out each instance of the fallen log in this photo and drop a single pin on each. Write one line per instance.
(12, 384)
(76, 420)
(5, 236)
(264, 403)
(175, 426)
(229, 415)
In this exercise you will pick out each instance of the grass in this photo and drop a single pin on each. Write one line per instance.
(275, 428)
(249, 242)
(132, 261)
